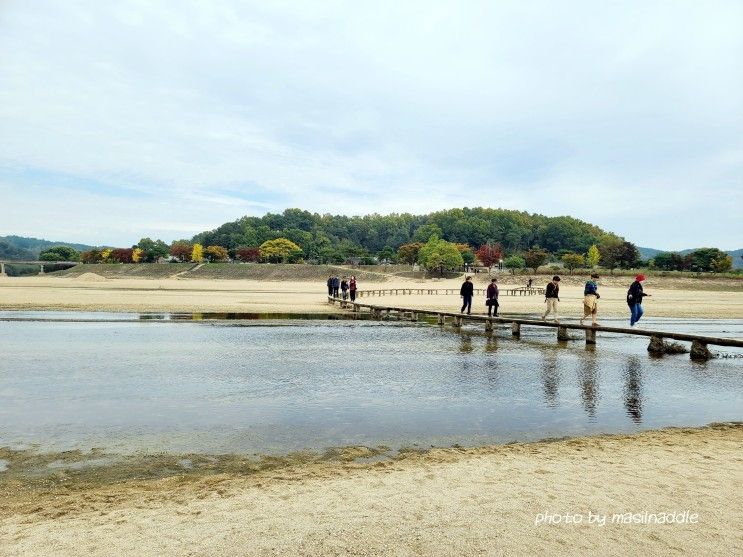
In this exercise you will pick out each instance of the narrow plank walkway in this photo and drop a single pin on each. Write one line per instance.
(699, 345)
(520, 291)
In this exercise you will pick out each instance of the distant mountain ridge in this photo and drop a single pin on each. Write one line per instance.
(649, 253)
(22, 248)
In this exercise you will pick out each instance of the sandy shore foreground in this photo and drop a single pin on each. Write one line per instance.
(486, 501)
(89, 293)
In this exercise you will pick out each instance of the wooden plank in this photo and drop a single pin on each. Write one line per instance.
(717, 341)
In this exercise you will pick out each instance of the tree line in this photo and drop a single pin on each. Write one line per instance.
(438, 241)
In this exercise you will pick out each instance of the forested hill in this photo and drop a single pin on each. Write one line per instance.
(316, 234)
(20, 247)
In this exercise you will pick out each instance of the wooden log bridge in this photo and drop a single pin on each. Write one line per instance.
(520, 291)
(699, 343)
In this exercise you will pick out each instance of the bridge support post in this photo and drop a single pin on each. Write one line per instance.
(516, 329)
(2, 270)
(488, 326)
(590, 336)
(699, 351)
(457, 321)
(656, 345)
(414, 316)
(441, 320)
(356, 308)
(41, 269)
(562, 333)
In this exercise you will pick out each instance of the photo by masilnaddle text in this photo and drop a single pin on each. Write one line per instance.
(627, 518)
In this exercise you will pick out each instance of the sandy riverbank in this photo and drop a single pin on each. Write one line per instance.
(91, 293)
(445, 502)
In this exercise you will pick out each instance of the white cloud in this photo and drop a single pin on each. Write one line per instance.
(627, 115)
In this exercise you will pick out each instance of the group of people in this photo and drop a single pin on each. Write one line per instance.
(342, 287)
(635, 294)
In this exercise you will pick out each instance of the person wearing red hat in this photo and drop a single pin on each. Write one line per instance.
(634, 300)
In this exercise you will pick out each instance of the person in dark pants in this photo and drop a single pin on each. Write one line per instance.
(467, 290)
(634, 300)
(344, 288)
(330, 286)
(492, 298)
(352, 288)
(336, 286)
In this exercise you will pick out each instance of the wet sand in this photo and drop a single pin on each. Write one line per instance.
(91, 293)
(481, 501)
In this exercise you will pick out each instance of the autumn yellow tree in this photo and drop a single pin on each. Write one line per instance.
(197, 253)
(216, 253)
(106, 255)
(573, 261)
(137, 255)
(280, 250)
(593, 256)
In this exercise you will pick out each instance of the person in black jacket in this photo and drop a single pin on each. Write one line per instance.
(467, 290)
(336, 286)
(552, 296)
(492, 298)
(330, 286)
(634, 300)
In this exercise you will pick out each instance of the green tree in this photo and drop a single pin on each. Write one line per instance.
(722, 264)
(704, 259)
(152, 250)
(387, 254)
(440, 255)
(60, 253)
(408, 253)
(535, 257)
(280, 250)
(425, 232)
(611, 250)
(573, 261)
(514, 262)
(593, 256)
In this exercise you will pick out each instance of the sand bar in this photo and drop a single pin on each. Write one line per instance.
(191, 295)
(481, 501)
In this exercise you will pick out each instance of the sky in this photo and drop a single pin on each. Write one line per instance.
(132, 118)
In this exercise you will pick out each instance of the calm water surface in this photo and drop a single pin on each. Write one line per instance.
(275, 387)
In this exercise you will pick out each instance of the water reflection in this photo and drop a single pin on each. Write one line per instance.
(550, 378)
(275, 388)
(633, 389)
(587, 377)
(465, 343)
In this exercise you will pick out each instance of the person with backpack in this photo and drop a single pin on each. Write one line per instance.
(590, 299)
(551, 297)
(634, 300)
(466, 292)
(492, 298)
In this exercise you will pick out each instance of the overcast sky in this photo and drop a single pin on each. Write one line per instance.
(123, 119)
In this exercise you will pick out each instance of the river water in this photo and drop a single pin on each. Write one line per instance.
(130, 383)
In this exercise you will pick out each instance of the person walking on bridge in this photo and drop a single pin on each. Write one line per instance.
(466, 292)
(352, 287)
(492, 298)
(590, 299)
(634, 300)
(344, 288)
(336, 286)
(551, 297)
(330, 286)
